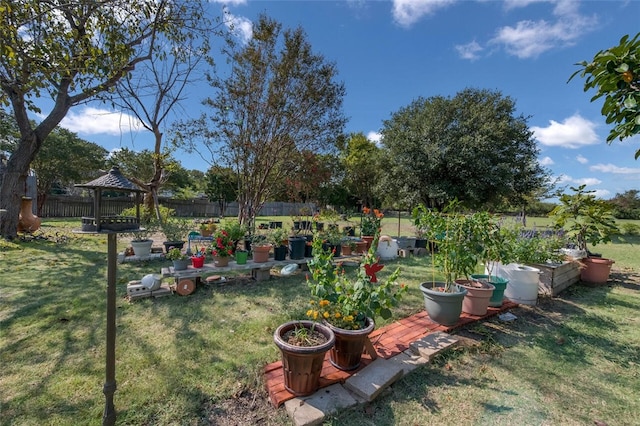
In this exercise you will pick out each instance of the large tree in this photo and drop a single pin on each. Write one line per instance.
(156, 90)
(57, 54)
(64, 160)
(615, 74)
(360, 159)
(278, 100)
(471, 147)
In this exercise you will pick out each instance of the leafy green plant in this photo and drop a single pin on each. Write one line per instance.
(371, 221)
(456, 239)
(586, 220)
(615, 74)
(175, 253)
(175, 229)
(348, 303)
(276, 236)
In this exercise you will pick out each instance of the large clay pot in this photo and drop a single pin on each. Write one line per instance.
(302, 365)
(596, 270)
(443, 307)
(27, 221)
(261, 253)
(476, 301)
(347, 352)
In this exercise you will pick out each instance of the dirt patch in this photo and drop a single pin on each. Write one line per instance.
(246, 408)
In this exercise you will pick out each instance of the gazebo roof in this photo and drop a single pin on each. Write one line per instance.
(112, 180)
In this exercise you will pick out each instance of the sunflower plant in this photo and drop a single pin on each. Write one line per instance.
(347, 303)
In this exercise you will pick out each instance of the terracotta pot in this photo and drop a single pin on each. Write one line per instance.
(500, 285)
(261, 253)
(221, 261)
(347, 351)
(346, 250)
(369, 240)
(476, 301)
(27, 221)
(361, 247)
(596, 270)
(302, 365)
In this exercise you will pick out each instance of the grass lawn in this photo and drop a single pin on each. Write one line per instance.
(197, 359)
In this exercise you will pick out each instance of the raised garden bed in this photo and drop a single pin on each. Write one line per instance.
(556, 277)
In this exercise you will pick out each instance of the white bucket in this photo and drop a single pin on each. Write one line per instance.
(523, 283)
(387, 248)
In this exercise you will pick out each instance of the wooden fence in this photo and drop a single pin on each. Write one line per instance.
(72, 206)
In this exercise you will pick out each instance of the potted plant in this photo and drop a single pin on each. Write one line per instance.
(370, 224)
(260, 249)
(198, 257)
(222, 247)
(277, 237)
(141, 240)
(179, 258)
(303, 345)
(350, 306)
(175, 230)
(331, 240)
(448, 232)
(587, 221)
(207, 227)
(348, 246)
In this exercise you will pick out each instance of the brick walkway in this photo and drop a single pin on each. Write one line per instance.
(388, 341)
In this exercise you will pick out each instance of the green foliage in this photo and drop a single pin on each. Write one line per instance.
(615, 74)
(585, 219)
(626, 205)
(630, 229)
(531, 246)
(371, 220)
(175, 229)
(347, 303)
(471, 147)
(175, 253)
(279, 100)
(234, 228)
(458, 239)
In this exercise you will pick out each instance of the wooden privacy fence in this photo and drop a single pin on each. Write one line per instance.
(72, 206)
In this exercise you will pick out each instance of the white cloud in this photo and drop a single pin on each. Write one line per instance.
(546, 161)
(601, 193)
(469, 51)
(239, 26)
(587, 181)
(581, 159)
(374, 137)
(574, 132)
(408, 12)
(230, 2)
(528, 39)
(92, 121)
(611, 168)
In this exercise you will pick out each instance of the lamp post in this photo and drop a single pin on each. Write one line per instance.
(111, 226)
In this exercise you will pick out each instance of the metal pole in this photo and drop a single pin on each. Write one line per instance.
(109, 416)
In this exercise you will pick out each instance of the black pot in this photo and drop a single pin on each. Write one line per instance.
(421, 243)
(280, 253)
(169, 244)
(296, 247)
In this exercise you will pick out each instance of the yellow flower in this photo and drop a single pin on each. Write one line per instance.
(324, 302)
(326, 315)
(310, 312)
(348, 318)
(315, 315)
(337, 315)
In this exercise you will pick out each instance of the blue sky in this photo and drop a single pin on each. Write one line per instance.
(388, 53)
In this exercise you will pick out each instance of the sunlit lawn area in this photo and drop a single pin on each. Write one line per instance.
(180, 360)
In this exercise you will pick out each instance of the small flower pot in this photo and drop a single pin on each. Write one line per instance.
(197, 262)
(221, 261)
(180, 265)
(261, 253)
(241, 257)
